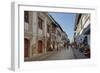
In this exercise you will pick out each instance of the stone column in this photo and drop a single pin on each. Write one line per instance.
(45, 34)
(30, 33)
(33, 47)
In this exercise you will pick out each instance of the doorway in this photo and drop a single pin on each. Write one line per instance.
(40, 46)
(26, 47)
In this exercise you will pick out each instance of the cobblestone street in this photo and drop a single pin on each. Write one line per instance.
(62, 55)
(66, 54)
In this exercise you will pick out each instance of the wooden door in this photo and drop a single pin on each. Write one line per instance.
(26, 46)
(40, 46)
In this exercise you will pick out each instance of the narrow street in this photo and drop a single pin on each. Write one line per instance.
(62, 55)
(66, 54)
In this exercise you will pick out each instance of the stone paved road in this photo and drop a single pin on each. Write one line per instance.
(62, 55)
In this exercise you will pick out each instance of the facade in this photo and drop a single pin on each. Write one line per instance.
(42, 34)
(82, 33)
(82, 28)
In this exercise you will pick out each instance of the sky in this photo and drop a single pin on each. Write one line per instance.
(66, 21)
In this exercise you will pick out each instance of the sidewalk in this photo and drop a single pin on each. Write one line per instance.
(78, 54)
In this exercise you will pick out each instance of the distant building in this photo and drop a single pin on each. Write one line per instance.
(64, 40)
(42, 34)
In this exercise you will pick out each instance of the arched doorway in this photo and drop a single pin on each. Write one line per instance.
(26, 47)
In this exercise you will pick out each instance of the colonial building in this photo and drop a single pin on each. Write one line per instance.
(82, 28)
(42, 34)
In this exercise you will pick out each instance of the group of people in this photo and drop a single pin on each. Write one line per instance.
(83, 46)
